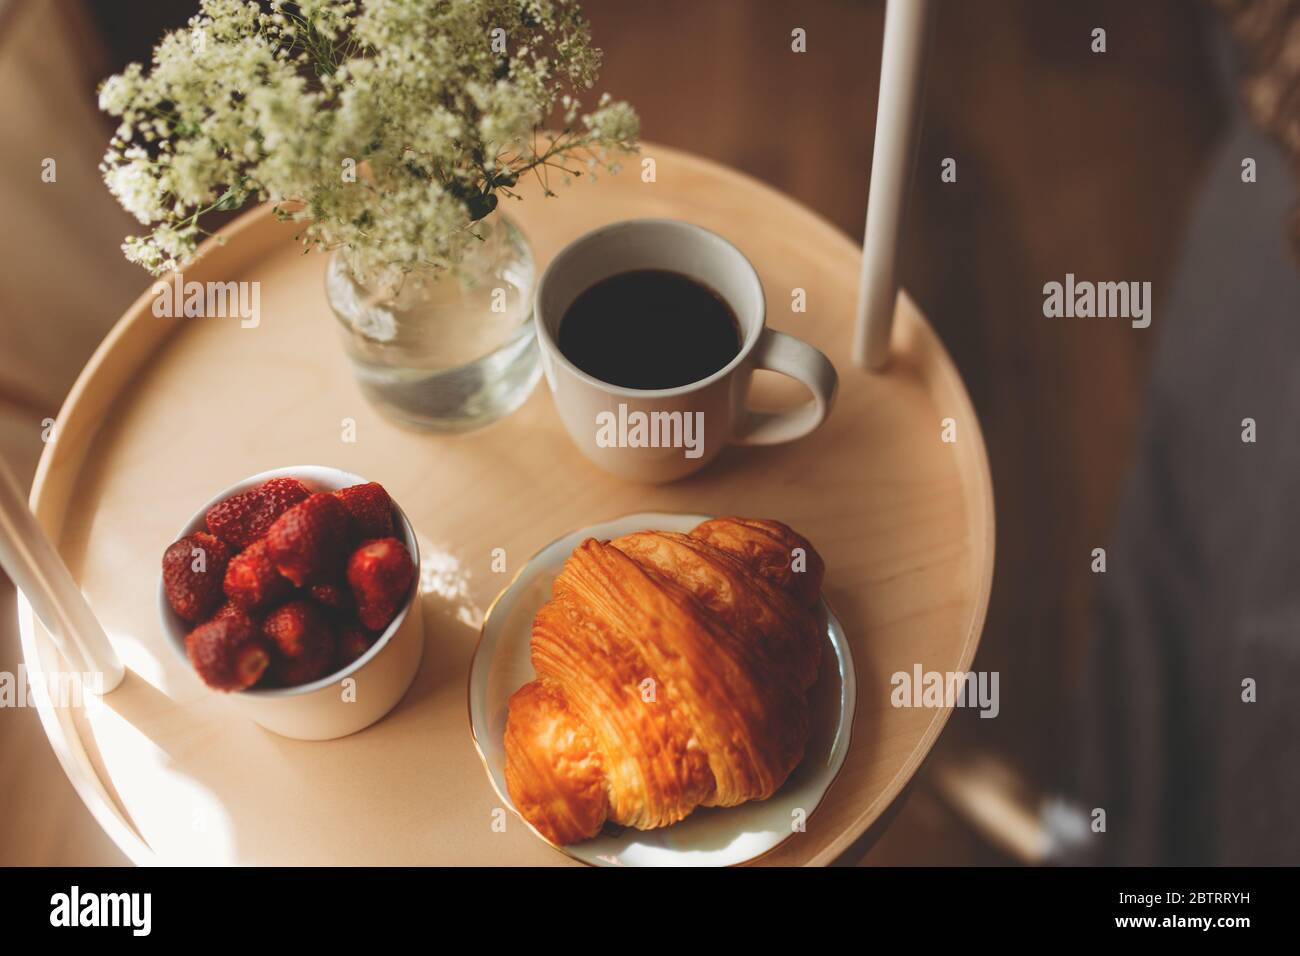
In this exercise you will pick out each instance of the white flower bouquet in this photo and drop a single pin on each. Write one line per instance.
(386, 127)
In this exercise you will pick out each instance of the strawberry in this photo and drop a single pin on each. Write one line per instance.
(353, 641)
(370, 510)
(193, 569)
(232, 610)
(303, 642)
(308, 543)
(243, 518)
(380, 574)
(227, 653)
(252, 581)
(334, 597)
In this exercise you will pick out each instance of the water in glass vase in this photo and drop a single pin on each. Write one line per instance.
(447, 350)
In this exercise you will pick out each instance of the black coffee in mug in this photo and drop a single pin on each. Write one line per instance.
(649, 328)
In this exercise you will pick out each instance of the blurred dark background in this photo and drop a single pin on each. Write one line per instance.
(1068, 161)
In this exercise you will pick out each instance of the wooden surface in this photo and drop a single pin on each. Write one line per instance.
(166, 412)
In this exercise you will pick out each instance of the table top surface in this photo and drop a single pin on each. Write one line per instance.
(169, 412)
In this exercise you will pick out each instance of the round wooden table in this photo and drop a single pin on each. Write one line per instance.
(170, 411)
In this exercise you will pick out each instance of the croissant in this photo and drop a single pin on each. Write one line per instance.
(672, 673)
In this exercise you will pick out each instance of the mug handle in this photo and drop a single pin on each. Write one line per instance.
(778, 352)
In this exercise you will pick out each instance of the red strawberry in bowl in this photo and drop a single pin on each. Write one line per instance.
(353, 640)
(243, 518)
(303, 642)
(232, 610)
(252, 580)
(380, 574)
(228, 653)
(193, 569)
(335, 598)
(370, 510)
(308, 542)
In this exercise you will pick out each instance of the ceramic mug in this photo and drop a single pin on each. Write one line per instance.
(663, 434)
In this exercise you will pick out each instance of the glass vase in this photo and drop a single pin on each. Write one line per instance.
(445, 350)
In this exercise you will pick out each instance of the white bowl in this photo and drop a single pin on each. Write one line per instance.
(709, 836)
(326, 708)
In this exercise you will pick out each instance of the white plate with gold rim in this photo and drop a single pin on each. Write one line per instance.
(709, 836)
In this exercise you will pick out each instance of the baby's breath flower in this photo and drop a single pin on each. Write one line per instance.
(276, 101)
